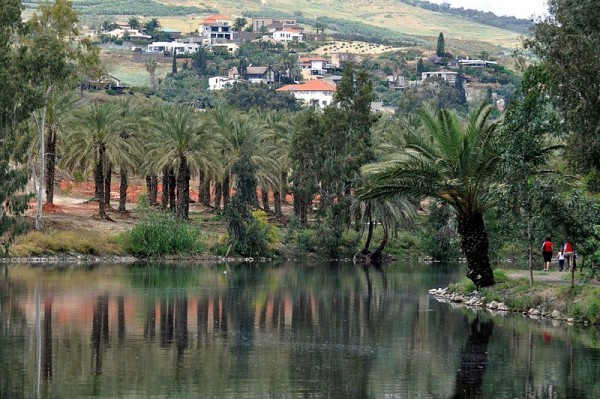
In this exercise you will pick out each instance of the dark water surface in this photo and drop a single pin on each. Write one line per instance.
(274, 331)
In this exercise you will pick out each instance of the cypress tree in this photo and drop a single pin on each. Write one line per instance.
(440, 50)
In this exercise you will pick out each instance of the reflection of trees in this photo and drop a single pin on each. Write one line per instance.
(99, 333)
(47, 341)
(166, 322)
(474, 360)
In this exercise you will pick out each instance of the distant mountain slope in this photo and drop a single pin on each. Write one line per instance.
(514, 24)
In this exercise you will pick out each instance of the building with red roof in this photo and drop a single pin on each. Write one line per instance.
(318, 93)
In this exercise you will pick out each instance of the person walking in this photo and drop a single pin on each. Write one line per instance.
(568, 250)
(560, 256)
(547, 253)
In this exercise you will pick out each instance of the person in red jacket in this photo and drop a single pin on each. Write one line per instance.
(547, 253)
(568, 250)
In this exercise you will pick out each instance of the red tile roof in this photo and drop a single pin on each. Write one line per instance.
(211, 19)
(313, 85)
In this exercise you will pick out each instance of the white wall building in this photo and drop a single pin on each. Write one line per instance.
(174, 47)
(448, 76)
(287, 35)
(221, 82)
(317, 93)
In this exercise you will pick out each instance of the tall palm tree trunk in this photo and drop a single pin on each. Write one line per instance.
(107, 184)
(50, 165)
(475, 246)
(172, 186)
(164, 200)
(152, 189)
(226, 190)
(123, 190)
(99, 182)
(202, 189)
(205, 190)
(277, 204)
(265, 199)
(183, 190)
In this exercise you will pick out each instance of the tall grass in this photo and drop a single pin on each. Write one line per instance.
(159, 234)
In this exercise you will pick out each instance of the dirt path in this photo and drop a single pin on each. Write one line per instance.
(551, 277)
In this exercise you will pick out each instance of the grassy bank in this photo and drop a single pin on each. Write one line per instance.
(581, 303)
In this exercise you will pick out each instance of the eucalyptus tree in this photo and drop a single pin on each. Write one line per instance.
(182, 141)
(56, 61)
(94, 141)
(455, 162)
(18, 99)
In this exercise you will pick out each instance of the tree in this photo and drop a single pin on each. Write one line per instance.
(151, 68)
(134, 23)
(52, 30)
(440, 49)
(567, 41)
(456, 163)
(151, 27)
(420, 68)
(239, 24)
(199, 61)
(18, 99)
(181, 142)
(94, 141)
(459, 86)
(246, 96)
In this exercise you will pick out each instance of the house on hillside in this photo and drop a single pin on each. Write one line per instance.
(313, 67)
(443, 74)
(260, 74)
(216, 28)
(266, 24)
(287, 35)
(316, 93)
(174, 47)
(222, 82)
(476, 63)
(120, 33)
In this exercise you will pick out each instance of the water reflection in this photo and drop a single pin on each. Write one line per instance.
(286, 330)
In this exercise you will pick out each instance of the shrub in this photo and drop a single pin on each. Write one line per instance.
(160, 234)
(250, 233)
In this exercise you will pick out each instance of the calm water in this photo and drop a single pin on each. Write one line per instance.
(274, 331)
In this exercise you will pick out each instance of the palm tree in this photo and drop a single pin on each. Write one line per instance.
(454, 162)
(94, 141)
(130, 124)
(182, 141)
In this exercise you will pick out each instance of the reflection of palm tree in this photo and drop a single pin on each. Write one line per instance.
(456, 163)
(474, 359)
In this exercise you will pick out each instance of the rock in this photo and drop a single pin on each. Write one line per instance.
(503, 307)
(534, 312)
(570, 320)
(556, 314)
(493, 305)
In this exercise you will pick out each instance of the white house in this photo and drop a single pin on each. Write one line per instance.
(448, 76)
(318, 93)
(216, 28)
(313, 68)
(476, 63)
(287, 35)
(120, 32)
(174, 47)
(221, 82)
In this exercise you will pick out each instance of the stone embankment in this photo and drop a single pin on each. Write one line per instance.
(477, 301)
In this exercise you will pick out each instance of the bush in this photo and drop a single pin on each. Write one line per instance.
(160, 234)
(250, 233)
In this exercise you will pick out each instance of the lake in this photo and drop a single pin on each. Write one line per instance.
(262, 330)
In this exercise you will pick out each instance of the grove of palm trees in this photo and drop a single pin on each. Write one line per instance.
(344, 182)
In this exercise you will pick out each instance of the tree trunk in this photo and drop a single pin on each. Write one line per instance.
(50, 165)
(201, 184)
(183, 190)
(277, 204)
(99, 182)
(265, 199)
(284, 187)
(152, 189)
(376, 256)
(369, 230)
(123, 190)
(107, 184)
(226, 190)
(172, 186)
(164, 199)
(205, 190)
(475, 246)
(218, 190)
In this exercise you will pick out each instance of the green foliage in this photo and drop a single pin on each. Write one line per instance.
(143, 202)
(160, 234)
(250, 234)
(440, 49)
(246, 96)
(441, 239)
